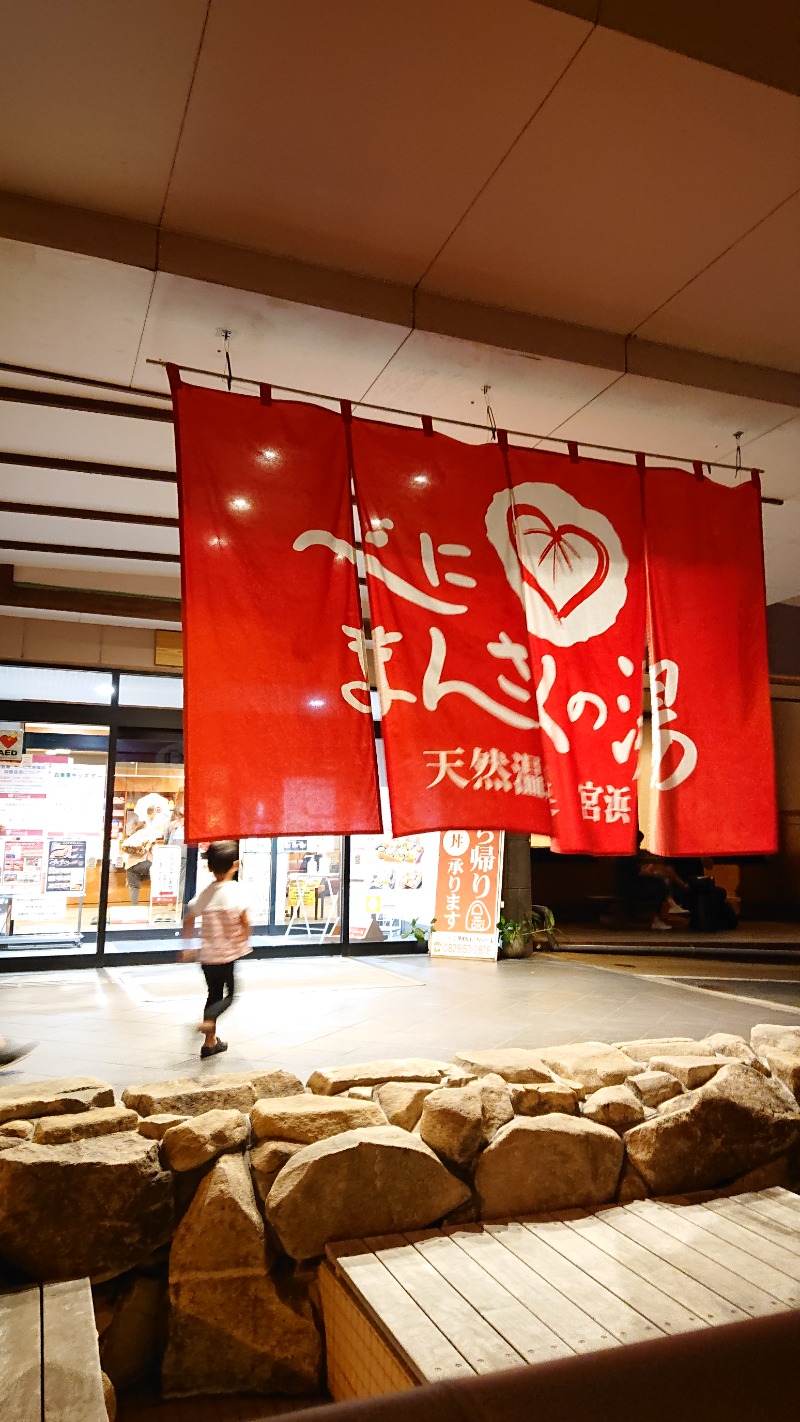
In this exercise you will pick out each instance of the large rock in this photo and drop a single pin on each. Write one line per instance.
(229, 1329)
(267, 1162)
(614, 1106)
(541, 1100)
(99, 1121)
(329, 1081)
(512, 1063)
(768, 1034)
(690, 1071)
(307, 1118)
(93, 1207)
(548, 1163)
(199, 1139)
(726, 1044)
(593, 1064)
(497, 1108)
(17, 1130)
(365, 1182)
(786, 1066)
(401, 1101)
(653, 1087)
(191, 1097)
(60, 1096)
(129, 1346)
(738, 1121)
(452, 1123)
(154, 1128)
(643, 1049)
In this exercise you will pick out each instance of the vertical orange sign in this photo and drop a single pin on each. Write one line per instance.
(468, 894)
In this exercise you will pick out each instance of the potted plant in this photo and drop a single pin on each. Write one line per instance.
(539, 926)
(513, 943)
(519, 937)
(419, 933)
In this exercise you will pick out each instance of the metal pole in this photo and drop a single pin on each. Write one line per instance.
(446, 420)
(344, 899)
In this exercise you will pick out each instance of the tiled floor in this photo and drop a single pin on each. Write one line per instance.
(137, 1024)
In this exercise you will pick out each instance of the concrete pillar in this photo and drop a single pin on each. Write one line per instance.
(516, 892)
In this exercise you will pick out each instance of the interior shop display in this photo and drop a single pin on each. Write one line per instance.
(392, 884)
(507, 617)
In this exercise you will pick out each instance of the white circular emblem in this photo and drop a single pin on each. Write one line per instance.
(565, 562)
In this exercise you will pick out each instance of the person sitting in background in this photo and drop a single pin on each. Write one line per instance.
(647, 881)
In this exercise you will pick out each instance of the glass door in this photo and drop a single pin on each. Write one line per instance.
(148, 860)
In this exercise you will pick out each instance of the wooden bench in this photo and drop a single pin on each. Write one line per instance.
(406, 1310)
(49, 1357)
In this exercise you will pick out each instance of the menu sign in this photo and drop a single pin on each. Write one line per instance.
(66, 866)
(22, 864)
(468, 894)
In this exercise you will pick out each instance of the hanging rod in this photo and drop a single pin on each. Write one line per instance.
(463, 424)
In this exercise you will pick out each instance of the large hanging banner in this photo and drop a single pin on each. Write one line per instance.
(569, 535)
(272, 745)
(452, 658)
(713, 779)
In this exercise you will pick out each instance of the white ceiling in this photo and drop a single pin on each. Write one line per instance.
(504, 154)
(289, 344)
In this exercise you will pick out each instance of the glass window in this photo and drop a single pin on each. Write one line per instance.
(148, 857)
(52, 806)
(20, 683)
(160, 691)
(392, 884)
(308, 879)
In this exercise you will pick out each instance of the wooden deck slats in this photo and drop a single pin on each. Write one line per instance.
(480, 1298)
(616, 1316)
(658, 1308)
(736, 1230)
(694, 1296)
(579, 1332)
(715, 1277)
(767, 1286)
(416, 1338)
(477, 1341)
(522, 1330)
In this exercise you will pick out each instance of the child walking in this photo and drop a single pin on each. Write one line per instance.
(224, 937)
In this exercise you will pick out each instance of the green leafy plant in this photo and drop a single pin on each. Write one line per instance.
(534, 928)
(539, 926)
(508, 929)
(418, 931)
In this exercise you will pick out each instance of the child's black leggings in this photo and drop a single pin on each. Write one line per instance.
(220, 983)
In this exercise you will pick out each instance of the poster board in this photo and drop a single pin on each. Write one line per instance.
(65, 872)
(468, 894)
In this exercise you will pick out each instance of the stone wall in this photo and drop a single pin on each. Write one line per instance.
(200, 1208)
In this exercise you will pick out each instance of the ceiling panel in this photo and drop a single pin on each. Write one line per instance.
(674, 420)
(75, 434)
(77, 562)
(66, 312)
(83, 533)
(93, 95)
(747, 305)
(88, 491)
(355, 135)
(444, 377)
(642, 167)
(281, 342)
(142, 583)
